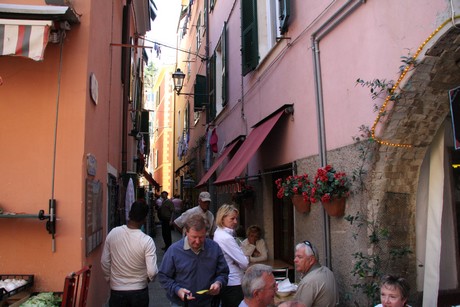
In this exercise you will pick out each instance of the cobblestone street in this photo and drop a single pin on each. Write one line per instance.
(157, 294)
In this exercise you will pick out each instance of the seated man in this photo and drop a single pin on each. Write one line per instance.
(259, 286)
(317, 286)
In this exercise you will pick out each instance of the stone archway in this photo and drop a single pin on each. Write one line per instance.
(414, 119)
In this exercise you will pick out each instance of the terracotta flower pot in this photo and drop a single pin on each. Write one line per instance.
(335, 207)
(300, 204)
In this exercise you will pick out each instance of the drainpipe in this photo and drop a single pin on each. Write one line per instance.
(207, 165)
(333, 21)
(124, 137)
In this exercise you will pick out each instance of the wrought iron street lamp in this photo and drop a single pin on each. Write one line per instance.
(178, 78)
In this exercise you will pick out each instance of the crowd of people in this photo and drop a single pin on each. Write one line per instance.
(212, 265)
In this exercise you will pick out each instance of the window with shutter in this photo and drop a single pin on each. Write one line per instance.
(199, 93)
(284, 13)
(198, 33)
(212, 88)
(249, 44)
(263, 26)
(223, 48)
(145, 117)
(218, 77)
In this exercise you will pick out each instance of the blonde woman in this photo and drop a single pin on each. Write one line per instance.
(226, 221)
(254, 246)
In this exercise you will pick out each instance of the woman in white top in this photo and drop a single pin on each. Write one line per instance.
(254, 246)
(394, 292)
(226, 221)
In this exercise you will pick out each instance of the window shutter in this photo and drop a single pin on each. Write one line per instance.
(224, 64)
(212, 88)
(199, 93)
(285, 12)
(250, 50)
(144, 121)
(145, 115)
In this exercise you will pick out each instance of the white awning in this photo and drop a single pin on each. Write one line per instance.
(25, 29)
(26, 38)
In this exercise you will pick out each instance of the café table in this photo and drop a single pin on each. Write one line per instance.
(278, 264)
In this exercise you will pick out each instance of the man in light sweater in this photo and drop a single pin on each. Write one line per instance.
(318, 287)
(129, 261)
(204, 201)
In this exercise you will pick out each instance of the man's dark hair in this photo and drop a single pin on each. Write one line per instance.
(138, 212)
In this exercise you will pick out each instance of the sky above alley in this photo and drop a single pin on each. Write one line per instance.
(164, 30)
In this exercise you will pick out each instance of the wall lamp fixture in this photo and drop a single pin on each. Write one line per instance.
(178, 79)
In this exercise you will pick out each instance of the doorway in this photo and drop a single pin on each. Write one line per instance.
(283, 222)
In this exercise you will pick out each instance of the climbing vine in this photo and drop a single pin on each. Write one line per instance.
(371, 265)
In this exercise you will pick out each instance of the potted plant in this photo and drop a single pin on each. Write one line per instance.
(298, 189)
(331, 188)
(245, 194)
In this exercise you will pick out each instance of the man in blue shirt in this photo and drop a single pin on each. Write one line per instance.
(192, 264)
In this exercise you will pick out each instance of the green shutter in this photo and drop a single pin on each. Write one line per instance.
(212, 88)
(249, 44)
(223, 46)
(200, 93)
(285, 12)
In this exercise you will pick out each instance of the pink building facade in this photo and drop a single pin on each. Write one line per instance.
(284, 76)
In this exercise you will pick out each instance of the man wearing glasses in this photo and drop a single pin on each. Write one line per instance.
(259, 286)
(317, 286)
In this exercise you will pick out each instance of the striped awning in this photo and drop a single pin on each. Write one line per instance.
(25, 38)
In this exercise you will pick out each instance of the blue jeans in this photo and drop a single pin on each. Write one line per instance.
(130, 298)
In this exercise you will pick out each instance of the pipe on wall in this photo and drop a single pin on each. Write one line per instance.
(340, 15)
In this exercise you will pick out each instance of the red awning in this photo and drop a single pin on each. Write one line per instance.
(239, 161)
(216, 164)
(150, 179)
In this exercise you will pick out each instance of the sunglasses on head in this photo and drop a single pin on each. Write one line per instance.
(307, 243)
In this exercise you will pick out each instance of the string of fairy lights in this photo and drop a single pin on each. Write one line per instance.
(395, 86)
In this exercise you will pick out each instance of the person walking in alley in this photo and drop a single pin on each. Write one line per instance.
(226, 220)
(192, 264)
(166, 216)
(178, 205)
(318, 287)
(204, 201)
(129, 261)
(259, 286)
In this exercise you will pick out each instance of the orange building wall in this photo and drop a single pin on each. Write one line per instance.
(27, 122)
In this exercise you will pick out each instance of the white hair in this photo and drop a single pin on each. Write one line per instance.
(309, 250)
